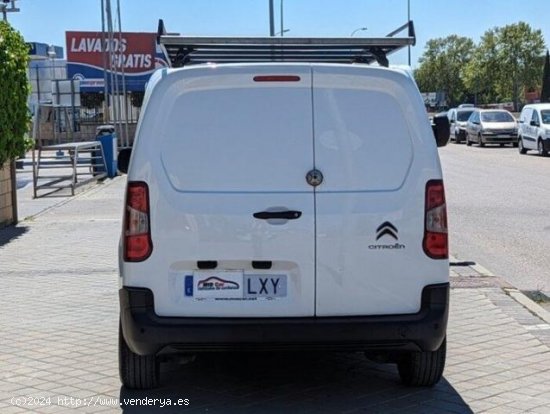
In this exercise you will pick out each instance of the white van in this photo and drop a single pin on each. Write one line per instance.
(283, 206)
(534, 129)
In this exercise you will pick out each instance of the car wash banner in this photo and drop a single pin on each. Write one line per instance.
(137, 54)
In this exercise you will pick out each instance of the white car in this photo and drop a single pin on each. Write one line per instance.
(491, 126)
(458, 118)
(270, 207)
(534, 129)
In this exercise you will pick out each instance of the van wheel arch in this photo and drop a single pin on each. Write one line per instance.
(136, 371)
(540, 146)
(423, 369)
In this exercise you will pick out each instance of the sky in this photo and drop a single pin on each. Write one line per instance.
(47, 20)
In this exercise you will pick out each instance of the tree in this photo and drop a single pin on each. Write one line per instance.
(478, 73)
(14, 91)
(506, 62)
(520, 49)
(441, 66)
(545, 94)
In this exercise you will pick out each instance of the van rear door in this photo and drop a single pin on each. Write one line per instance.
(232, 216)
(370, 207)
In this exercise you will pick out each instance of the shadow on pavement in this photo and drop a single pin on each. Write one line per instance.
(316, 382)
(7, 234)
(462, 264)
(23, 182)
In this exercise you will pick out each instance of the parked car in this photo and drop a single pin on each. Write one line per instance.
(269, 206)
(491, 126)
(534, 129)
(458, 118)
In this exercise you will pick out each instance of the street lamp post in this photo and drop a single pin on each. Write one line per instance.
(271, 19)
(359, 29)
(282, 25)
(409, 22)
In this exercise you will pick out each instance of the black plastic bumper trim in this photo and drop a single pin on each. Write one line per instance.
(147, 333)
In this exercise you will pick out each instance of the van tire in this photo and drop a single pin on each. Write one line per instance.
(540, 147)
(423, 369)
(136, 371)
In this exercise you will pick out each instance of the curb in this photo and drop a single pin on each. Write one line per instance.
(531, 306)
(514, 293)
(482, 270)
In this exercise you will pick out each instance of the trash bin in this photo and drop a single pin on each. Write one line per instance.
(106, 135)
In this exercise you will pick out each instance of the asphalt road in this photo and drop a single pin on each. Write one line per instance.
(499, 211)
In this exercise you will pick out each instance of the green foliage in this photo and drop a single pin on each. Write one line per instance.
(478, 74)
(506, 62)
(519, 63)
(29, 143)
(545, 93)
(441, 65)
(14, 91)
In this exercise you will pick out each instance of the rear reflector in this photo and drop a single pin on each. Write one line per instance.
(436, 243)
(276, 78)
(137, 232)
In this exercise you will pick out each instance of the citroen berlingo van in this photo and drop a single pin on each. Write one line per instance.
(284, 206)
(534, 129)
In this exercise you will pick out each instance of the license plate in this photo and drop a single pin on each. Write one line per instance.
(265, 286)
(234, 285)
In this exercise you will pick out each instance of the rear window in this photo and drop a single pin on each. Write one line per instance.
(464, 115)
(362, 140)
(496, 116)
(239, 139)
(545, 114)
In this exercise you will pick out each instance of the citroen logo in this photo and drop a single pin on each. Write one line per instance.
(388, 229)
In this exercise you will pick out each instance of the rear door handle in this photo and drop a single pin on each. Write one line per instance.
(284, 215)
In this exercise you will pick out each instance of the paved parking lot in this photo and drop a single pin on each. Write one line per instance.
(59, 321)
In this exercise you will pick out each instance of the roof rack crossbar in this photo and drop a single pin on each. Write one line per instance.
(194, 50)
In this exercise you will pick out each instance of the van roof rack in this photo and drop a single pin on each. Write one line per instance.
(183, 51)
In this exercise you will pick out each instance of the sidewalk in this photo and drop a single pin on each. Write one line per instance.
(27, 207)
(59, 325)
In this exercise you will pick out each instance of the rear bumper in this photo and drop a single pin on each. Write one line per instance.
(146, 333)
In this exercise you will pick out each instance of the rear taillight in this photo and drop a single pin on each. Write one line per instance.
(436, 243)
(137, 232)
